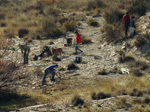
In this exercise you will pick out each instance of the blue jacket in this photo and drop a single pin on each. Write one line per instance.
(132, 24)
(52, 67)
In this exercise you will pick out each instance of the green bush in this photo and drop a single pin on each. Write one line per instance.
(92, 22)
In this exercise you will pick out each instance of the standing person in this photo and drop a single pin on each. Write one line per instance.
(77, 41)
(132, 26)
(125, 21)
(25, 50)
(49, 70)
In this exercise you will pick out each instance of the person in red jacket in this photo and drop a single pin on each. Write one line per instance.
(77, 41)
(125, 21)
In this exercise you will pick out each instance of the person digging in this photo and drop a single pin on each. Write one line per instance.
(49, 70)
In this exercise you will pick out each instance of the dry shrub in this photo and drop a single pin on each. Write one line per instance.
(4, 45)
(46, 2)
(57, 32)
(95, 4)
(3, 24)
(52, 11)
(113, 33)
(140, 41)
(2, 16)
(146, 100)
(103, 71)
(86, 40)
(136, 92)
(4, 2)
(138, 7)
(121, 92)
(71, 66)
(121, 5)
(113, 15)
(92, 22)
(10, 33)
(49, 28)
(69, 25)
(6, 73)
(141, 65)
(100, 95)
(122, 103)
(125, 58)
(115, 70)
(77, 101)
(137, 101)
(22, 32)
(62, 69)
(71, 4)
(93, 96)
(136, 72)
(9, 96)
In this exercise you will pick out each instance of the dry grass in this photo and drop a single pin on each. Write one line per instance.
(92, 22)
(77, 101)
(140, 41)
(113, 33)
(103, 71)
(71, 66)
(113, 15)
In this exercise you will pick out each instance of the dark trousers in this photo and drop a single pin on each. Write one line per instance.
(47, 71)
(126, 26)
(77, 48)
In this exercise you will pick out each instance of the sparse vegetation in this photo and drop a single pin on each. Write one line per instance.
(86, 40)
(52, 19)
(113, 15)
(69, 25)
(113, 33)
(71, 66)
(77, 101)
(140, 41)
(138, 7)
(103, 71)
(92, 22)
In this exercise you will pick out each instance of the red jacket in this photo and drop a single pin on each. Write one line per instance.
(126, 19)
(78, 38)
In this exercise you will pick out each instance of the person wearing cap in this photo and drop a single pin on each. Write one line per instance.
(49, 70)
(125, 21)
(77, 41)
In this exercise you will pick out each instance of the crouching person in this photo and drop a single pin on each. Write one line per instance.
(49, 70)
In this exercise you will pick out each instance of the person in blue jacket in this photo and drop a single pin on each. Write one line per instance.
(132, 26)
(49, 70)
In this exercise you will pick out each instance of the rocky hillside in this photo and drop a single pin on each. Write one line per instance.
(96, 56)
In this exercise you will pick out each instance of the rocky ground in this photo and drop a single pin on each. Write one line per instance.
(96, 56)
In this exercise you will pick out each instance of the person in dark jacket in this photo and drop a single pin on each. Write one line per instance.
(49, 70)
(77, 41)
(132, 26)
(125, 21)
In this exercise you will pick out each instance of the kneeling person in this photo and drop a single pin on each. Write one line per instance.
(49, 70)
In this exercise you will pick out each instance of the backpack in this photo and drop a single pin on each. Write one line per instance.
(77, 59)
